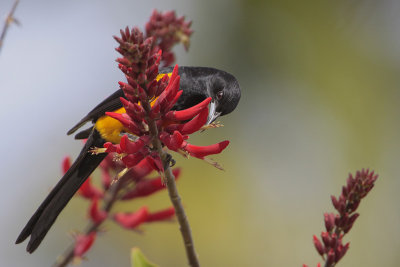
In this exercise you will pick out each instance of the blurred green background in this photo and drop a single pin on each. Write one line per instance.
(320, 99)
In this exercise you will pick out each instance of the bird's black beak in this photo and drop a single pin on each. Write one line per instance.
(212, 113)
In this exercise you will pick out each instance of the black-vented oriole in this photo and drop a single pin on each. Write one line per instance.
(197, 84)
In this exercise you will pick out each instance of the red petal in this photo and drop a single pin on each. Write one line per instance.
(83, 243)
(133, 109)
(202, 151)
(105, 179)
(97, 215)
(130, 147)
(189, 113)
(147, 187)
(155, 111)
(142, 169)
(126, 121)
(174, 141)
(87, 190)
(174, 73)
(161, 215)
(170, 91)
(155, 161)
(132, 220)
(171, 103)
(132, 159)
(196, 123)
(110, 147)
(66, 164)
(152, 72)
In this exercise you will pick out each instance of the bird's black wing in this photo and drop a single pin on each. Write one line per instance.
(44, 217)
(111, 103)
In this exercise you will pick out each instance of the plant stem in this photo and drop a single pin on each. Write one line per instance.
(109, 201)
(9, 20)
(173, 191)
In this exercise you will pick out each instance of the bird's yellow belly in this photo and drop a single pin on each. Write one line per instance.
(110, 129)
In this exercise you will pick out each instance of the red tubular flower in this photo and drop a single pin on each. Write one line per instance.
(96, 215)
(66, 164)
(133, 219)
(105, 179)
(174, 141)
(83, 243)
(146, 187)
(88, 191)
(134, 128)
(142, 169)
(161, 215)
(132, 160)
(133, 147)
(202, 151)
(193, 125)
(189, 113)
(155, 161)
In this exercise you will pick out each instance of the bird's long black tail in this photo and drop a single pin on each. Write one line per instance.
(44, 217)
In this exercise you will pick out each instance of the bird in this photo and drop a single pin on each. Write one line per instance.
(197, 84)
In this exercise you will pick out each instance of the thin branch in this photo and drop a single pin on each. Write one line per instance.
(173, 191)
(9, 19)
(112, 193)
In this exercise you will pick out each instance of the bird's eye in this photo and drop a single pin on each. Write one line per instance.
(220, 95)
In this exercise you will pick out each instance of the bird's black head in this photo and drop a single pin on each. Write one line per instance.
(225, 93)
(198, 83)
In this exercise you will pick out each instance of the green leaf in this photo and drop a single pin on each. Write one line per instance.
(139, 260)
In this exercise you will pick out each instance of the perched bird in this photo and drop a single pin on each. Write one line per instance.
(197, 83)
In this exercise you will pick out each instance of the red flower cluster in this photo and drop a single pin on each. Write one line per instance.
(168, 30)
(139, 186)
(149, 102)
(337, 225)
(141, 58)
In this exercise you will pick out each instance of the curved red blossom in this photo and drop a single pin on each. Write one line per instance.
(96, 215)
(168, 93)
(128, 146)
(105, 179)
(203, 151)
(189, 113)
(195, 124)
(66, 164)
(133, 219)
(132, 160)
(133, 127)
(142, 169)
(156, 162)
(83, 243)
(89, 191)
(174, 141)
(161, 215)
(146, 187)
